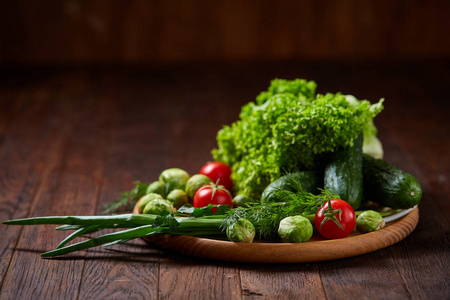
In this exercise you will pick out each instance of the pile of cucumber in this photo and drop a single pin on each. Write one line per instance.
(355, 176)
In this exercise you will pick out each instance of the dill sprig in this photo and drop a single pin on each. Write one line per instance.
(127, 200)
(266, 217)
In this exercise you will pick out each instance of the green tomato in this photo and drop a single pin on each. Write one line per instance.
(146, 199)
(296, 229)
(196, 182)
(242, 231)
(157, 206)
(369, 221)
(178, 198)
(157, 187)
(174, 179)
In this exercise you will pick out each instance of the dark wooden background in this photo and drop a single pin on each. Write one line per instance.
(97, 94)
(141, 31)
(74, 138)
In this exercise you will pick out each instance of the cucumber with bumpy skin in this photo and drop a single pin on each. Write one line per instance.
(389, 186)
(344, 174)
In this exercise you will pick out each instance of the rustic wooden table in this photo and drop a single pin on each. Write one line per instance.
(72, 139)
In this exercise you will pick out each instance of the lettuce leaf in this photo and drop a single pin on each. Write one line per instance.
(290, 128)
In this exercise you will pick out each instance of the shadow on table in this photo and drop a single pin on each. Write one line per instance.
(131, 252)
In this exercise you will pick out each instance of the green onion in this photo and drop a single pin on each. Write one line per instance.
(140, 226)
(263, 217)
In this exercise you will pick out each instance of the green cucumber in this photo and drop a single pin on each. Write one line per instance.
(309, 181)
(344, 173)
(389, 186)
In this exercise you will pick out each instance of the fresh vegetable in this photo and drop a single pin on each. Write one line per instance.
(344, 173)
(389, 186)
(174, 178)
(218, 170)
(242, 231)
(196, 182)
(371, 145)
(157, 206)
(201, 222)
(266, 217)
(157, 187)
(289, 129)
(146, 199)
(178, 198)
(242, 200)
(128, 199)
(369, 221)
(307, 181)
(137, 226)
(212, 194)
(336, 219)
(295, 229)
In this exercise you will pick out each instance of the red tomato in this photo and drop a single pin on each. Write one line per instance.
(218, 170)
(341, 212)
(212, 194)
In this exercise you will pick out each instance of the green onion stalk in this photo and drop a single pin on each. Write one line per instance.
(200, 222)
(136, 225)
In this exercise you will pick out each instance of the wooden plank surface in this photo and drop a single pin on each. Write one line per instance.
(129, 271)
(72, 139)
(142, 31)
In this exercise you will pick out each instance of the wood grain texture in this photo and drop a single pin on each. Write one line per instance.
(130, 271)
(183, 277)
(285, 281)
(65, 189)
(25, 152)
(74, 138)
(140, 31)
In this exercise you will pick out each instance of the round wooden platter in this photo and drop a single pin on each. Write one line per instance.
(316, 249)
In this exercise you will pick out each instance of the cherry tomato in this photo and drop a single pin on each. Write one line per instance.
(340, 213)
(212, 194)
(218, 170)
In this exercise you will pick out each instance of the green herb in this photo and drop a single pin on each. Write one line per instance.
(127, 200)
(266, 217)
(288, 129)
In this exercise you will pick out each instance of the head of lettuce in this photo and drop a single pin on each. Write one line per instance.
(291, 128)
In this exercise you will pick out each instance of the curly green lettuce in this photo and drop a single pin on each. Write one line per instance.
(290, 128)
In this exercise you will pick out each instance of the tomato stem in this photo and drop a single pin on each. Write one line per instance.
(330, 214)
(216, 186)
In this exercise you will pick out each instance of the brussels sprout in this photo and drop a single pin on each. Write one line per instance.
(174, 179)
(178, 198)
(241, 200)
(295, 229)
(242, 231)
(157, 206)
(196, 182)
(368, 221)
(157, 187)
(146, 199)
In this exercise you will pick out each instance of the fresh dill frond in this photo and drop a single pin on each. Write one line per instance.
(267, 217)
(127, 200)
